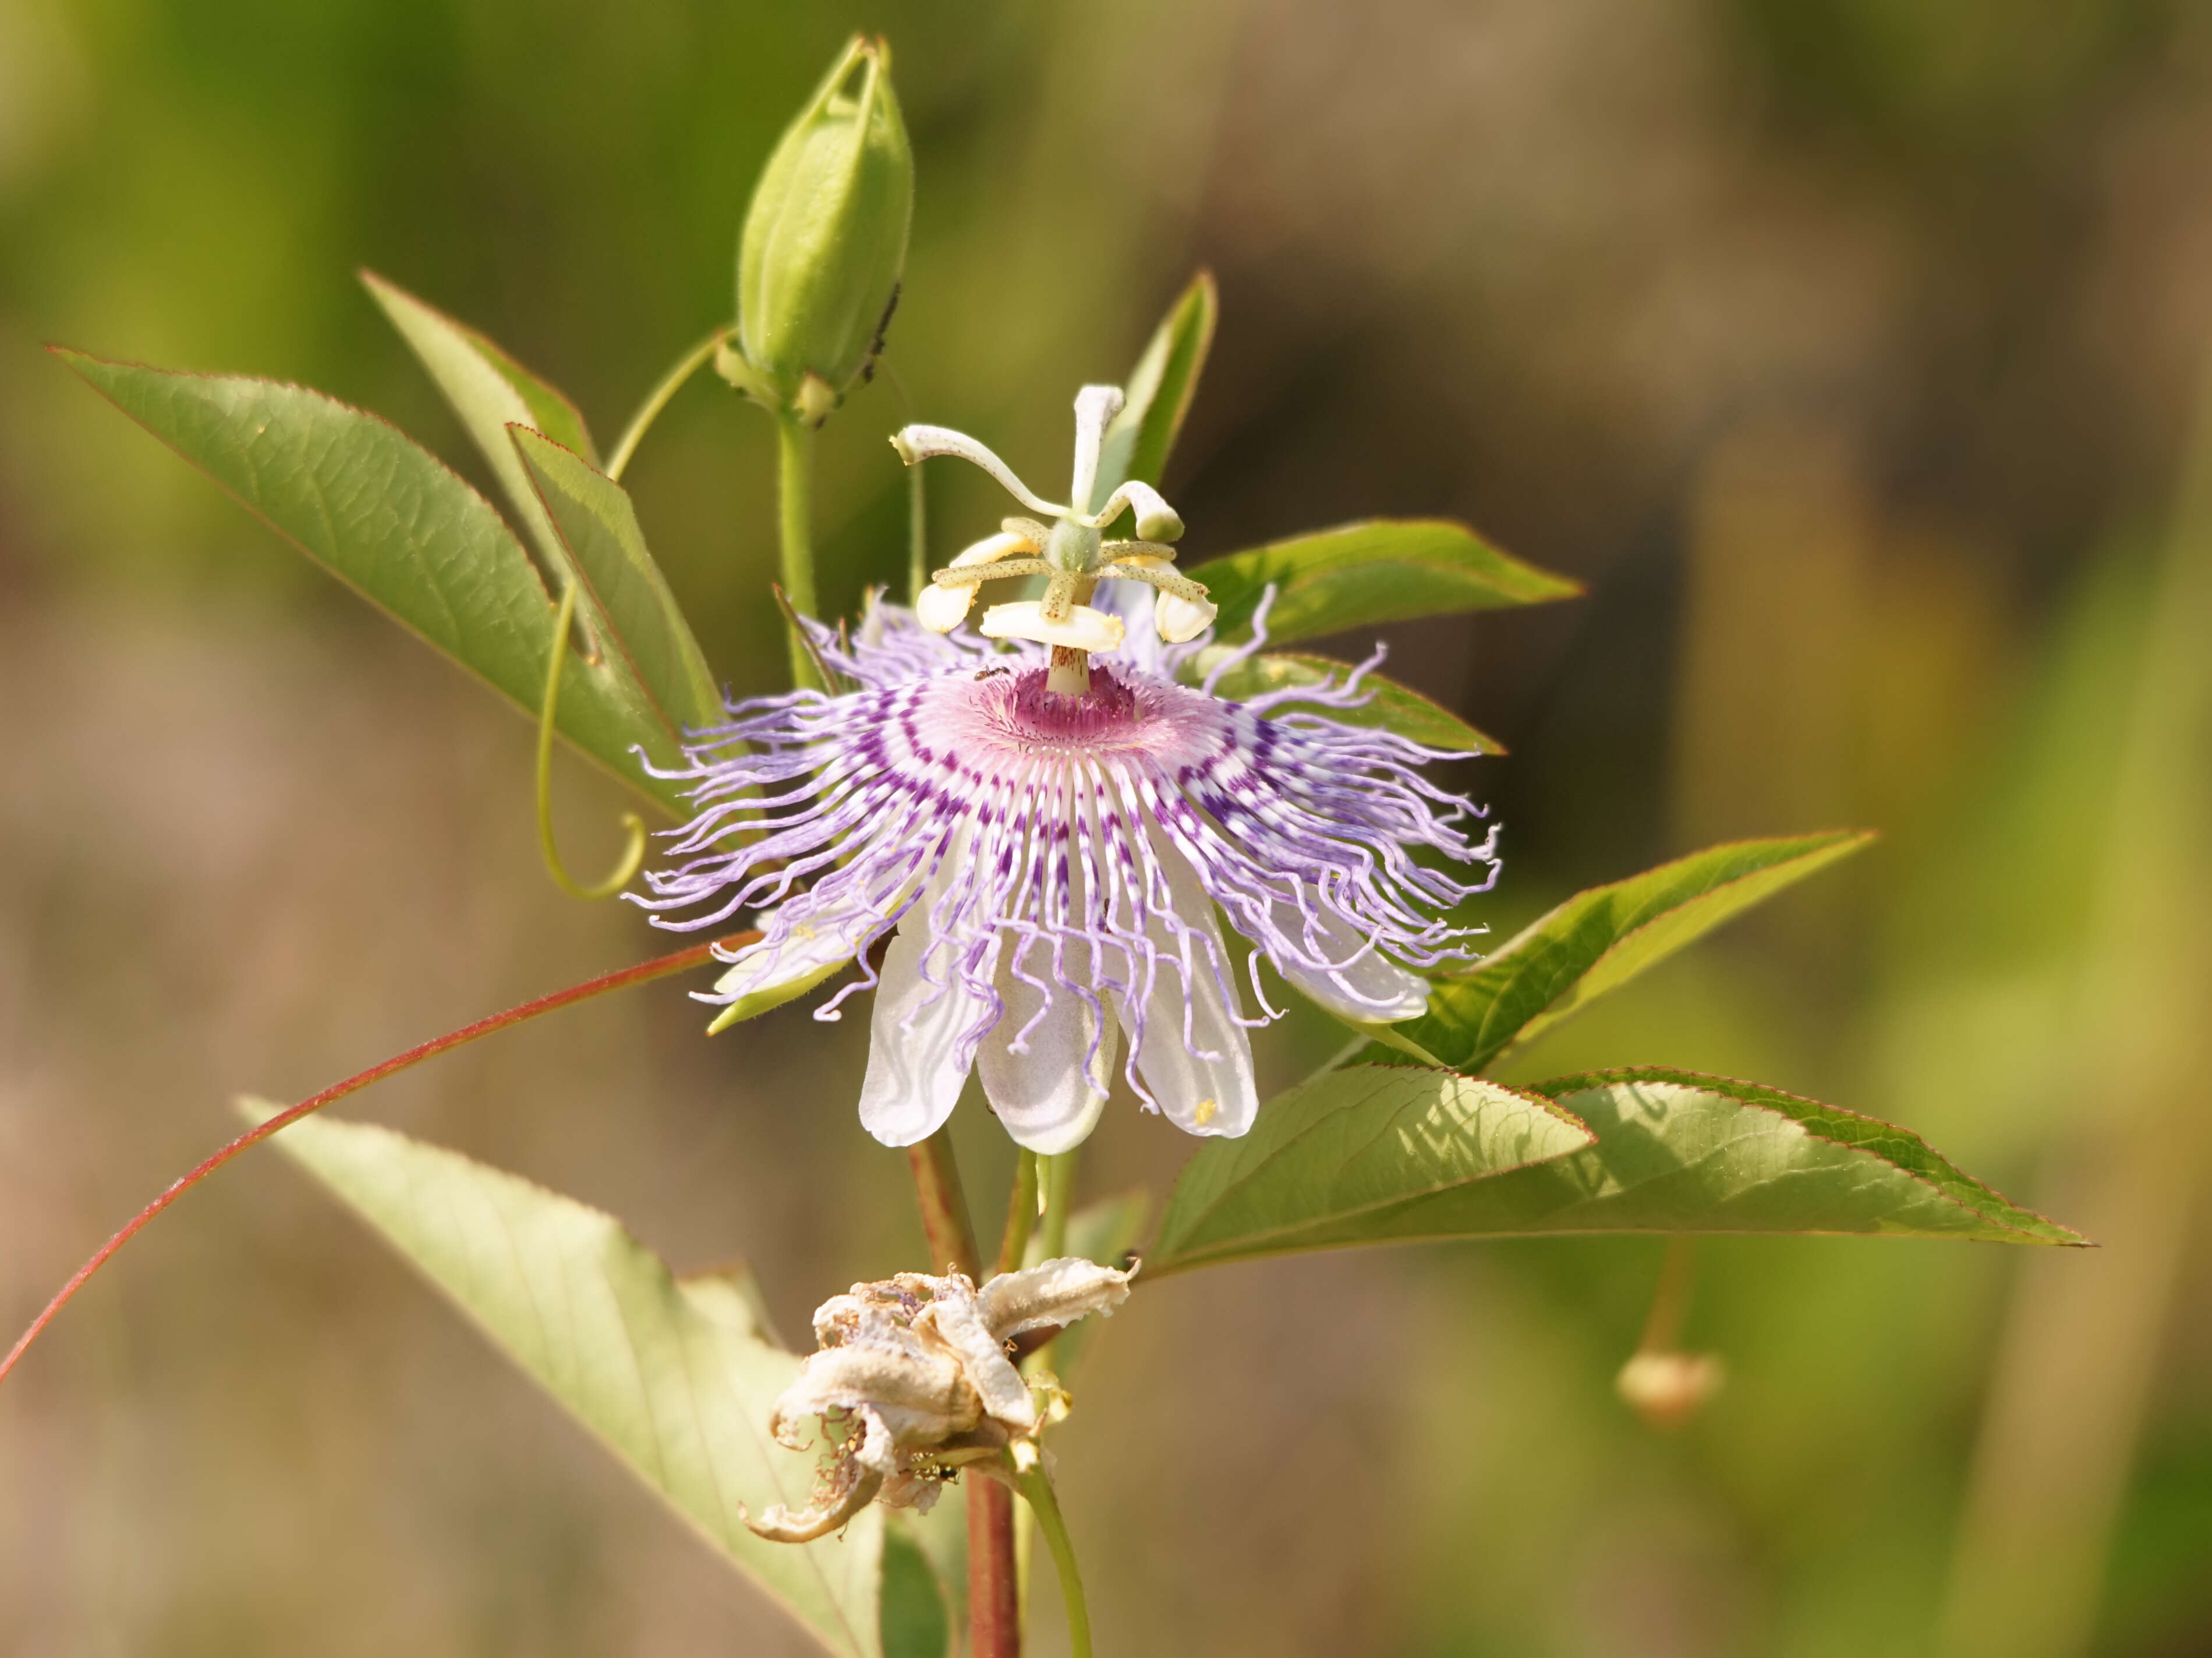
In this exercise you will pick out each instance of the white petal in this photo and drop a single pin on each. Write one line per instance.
(1047, 1097)
(915, 1074)
(1203, 1082)
(1083, 629)
(941, 609)
(1373, 990)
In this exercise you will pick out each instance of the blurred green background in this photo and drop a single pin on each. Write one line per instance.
(1848, 348)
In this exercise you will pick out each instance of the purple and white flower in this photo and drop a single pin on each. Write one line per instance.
(1048, 837)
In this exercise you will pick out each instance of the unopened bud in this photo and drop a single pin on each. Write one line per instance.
(825, 241)
(1667, 1389)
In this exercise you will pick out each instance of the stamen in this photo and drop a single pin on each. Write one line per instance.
(953, 576)
(1083, 629)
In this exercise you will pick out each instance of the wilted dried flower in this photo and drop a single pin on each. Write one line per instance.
(914, 1382)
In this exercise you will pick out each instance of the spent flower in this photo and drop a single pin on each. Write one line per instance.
(1050, 835)
(913, 1382)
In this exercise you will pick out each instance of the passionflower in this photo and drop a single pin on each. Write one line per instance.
(1046, 820)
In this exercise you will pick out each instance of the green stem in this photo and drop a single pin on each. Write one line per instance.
(794, 480)
(1021, 1213)
(692, 362)
(1058, 1189)
(1036, 1486)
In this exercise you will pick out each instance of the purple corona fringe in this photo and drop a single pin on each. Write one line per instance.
(1046, 833)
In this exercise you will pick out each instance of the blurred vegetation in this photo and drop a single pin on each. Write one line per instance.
(1847, 350)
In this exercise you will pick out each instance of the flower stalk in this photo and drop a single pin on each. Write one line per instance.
(794, 495)
(1035, 1485)
(993, 1581)
(1021, 1213)
(944, 1206)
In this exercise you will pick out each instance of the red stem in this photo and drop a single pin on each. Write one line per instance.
(944, 1206)
(994, 1609)
(995, 1615)
(644, 973)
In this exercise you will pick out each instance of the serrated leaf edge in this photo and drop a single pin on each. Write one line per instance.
(1384, 1073)
(1745, 1094)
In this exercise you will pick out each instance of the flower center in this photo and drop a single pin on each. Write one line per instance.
(1037, 714)
(1002, 723)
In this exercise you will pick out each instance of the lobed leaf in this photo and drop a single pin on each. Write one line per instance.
(1160, 390)
(395, 524)
(1392, 707)
(1347, 1150)
(597, 530)
(1599, 940)
(676, 1377)
(579, 520)
(489, 391)
(1675, 1152)
(1379, 570)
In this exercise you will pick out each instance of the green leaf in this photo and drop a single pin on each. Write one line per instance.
(915, 1621)
(580, 522)
(598, 528)
(1392, 707)
(1679, 1152)
(1158, 392)
(1347, 1150)
(491, 391)
(1359, 574)
(675, 1377)
(392, 522)
(1599, 940)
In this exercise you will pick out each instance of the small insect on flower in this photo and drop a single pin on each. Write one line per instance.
(1050, 835)
(913, 1383)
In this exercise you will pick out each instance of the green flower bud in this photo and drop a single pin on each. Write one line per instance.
(824, 242)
